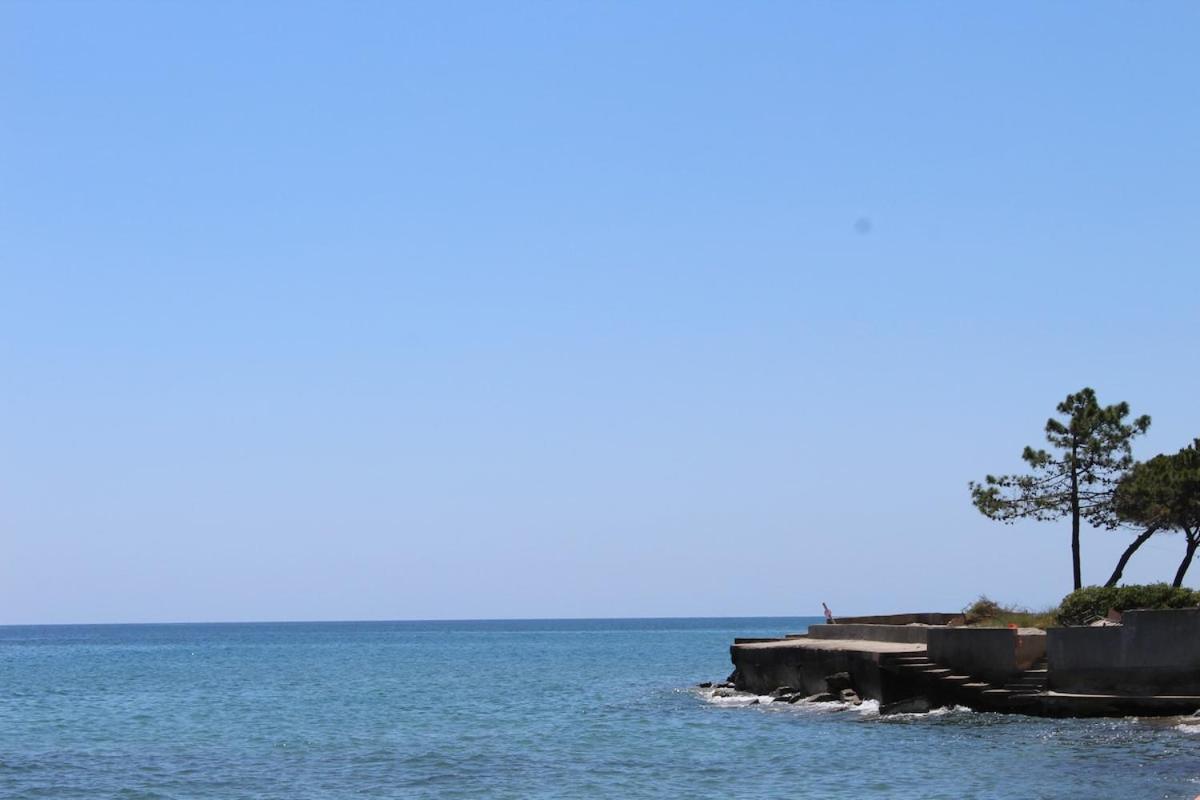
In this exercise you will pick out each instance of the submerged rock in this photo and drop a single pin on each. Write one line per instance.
(912, 705)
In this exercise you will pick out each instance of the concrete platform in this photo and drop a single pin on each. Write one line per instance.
(804, 663)
(849, 645)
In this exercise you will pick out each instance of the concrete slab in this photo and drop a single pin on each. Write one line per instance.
(843, 645)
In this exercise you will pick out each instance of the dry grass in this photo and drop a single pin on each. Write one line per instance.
(987, 613)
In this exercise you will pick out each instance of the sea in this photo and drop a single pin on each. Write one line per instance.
(509, 709)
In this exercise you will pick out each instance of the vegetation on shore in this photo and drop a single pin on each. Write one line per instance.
(1082, 606)
(1090, 475)
(1085, 605)
(987, 613)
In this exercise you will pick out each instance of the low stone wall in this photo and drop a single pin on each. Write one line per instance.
(1150, 653)
(994, 654)
(907, 634)
(903, 619)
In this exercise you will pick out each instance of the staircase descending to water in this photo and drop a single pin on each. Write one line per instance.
(947, 686)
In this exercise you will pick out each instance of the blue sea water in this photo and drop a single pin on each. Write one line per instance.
(506, 709)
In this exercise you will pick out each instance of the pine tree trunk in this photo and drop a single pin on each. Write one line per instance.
(1192, 543)
(1129, 551)
(1075, 522)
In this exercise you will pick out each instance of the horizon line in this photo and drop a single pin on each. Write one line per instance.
(382, 620)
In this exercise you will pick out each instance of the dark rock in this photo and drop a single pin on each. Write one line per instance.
(913, 705)
(726, 685)
(824, 697)
(787, 698)
(705, 685)
(782, 690)
(838, 681)
(850, 696)
(733, 677)
(753, 702)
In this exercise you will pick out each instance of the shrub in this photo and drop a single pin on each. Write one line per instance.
(987, 613)
(985, 608)
(1084, 605)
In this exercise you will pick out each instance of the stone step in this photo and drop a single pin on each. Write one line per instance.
(996, 693)
(1024, 687)
(978, 686)
(962, 679)
(936, 672)
(905, 659)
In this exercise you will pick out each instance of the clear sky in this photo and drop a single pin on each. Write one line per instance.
(430, 310)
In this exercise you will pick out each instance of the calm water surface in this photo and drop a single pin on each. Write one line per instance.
(554, 709)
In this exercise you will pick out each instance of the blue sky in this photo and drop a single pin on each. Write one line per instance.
(382, 310)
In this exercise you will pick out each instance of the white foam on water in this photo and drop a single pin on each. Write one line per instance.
(868, 709)
(734, 699)
(933, 712)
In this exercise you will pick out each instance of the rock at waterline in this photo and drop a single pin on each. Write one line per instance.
(913, 705)
(705, 685)
(850, 696)
(838, 681)
(824, 697)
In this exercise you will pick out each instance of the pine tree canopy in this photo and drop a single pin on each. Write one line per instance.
(1164, 491)
(1090, 452)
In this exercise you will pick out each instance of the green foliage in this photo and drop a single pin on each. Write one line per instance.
(1091, 453)
(1093, 447)
(1087, 604)
(1163, 492)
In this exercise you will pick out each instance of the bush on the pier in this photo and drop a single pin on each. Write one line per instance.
(1091, 602)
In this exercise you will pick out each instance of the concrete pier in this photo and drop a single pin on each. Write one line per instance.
(804, 663)
(1149, 667)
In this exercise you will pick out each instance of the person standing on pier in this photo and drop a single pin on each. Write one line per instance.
(828, 614)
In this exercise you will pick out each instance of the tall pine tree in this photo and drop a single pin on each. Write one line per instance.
(1077, 478)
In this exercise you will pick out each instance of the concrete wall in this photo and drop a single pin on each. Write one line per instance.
(908, 634)
(1151, 653)
(994, 654)
(762, 670)
(903, 619)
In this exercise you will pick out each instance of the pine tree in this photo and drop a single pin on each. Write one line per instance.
(1090, 452)
(1164, 494)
